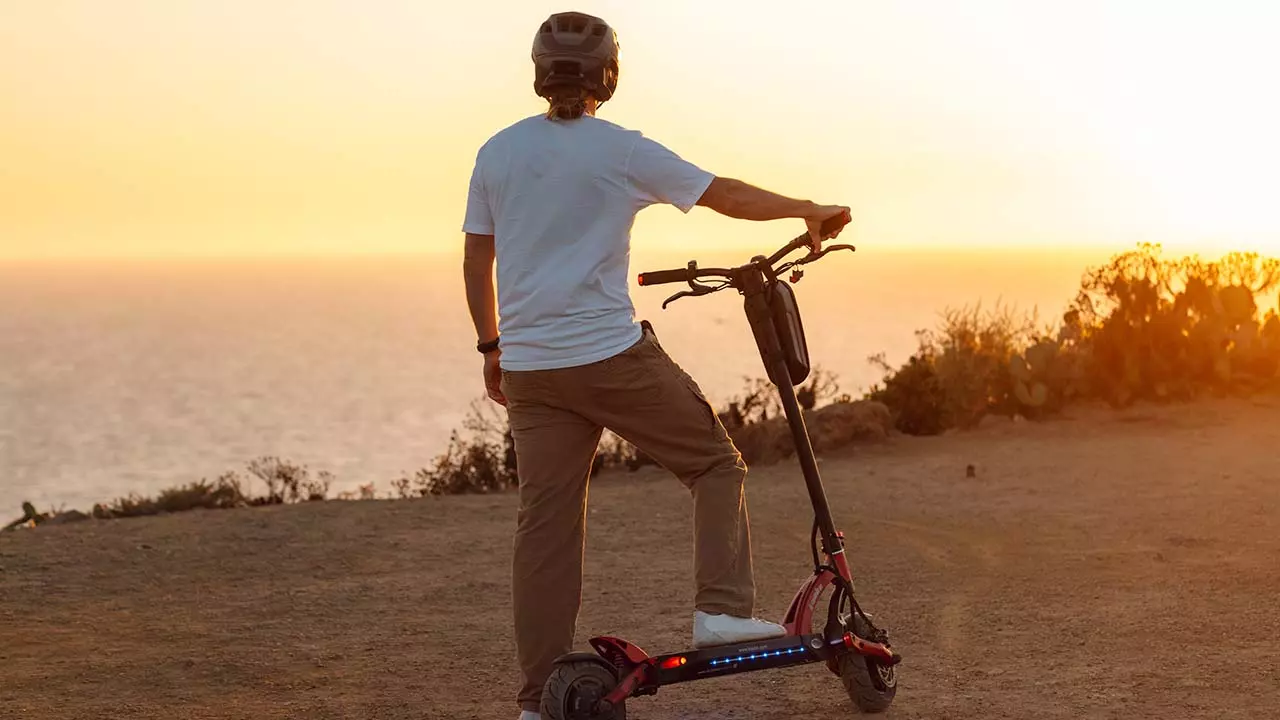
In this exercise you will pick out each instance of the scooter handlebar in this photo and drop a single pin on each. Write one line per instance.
(661, 277)
(829, 227)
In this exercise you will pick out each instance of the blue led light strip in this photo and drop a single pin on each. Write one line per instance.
(757, 656)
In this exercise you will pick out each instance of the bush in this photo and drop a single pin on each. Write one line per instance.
(481, 462)
(1141, 327)
(225, 492)
(615, 452)
(913, 392)
(285, 483)
(959, 373)
(758, 401)
(821, 388)
(1161, 329)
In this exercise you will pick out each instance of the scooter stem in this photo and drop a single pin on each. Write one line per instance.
(759, 314)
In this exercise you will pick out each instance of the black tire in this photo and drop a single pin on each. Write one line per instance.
(573, 688)
(871, 684)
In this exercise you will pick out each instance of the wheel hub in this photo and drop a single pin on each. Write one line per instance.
(886, 675)
(585, 701)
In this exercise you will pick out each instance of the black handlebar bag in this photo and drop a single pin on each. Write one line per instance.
(786, 320)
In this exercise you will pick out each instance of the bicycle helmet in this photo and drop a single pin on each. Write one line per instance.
(575, 51)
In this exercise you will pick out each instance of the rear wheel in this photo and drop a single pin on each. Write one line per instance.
(871, 684)
(574, 690)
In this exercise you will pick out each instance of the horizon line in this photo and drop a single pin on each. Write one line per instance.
(423, 253)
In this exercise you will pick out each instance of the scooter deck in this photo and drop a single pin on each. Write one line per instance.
(732, 659)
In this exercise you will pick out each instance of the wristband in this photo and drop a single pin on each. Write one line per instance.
(488, 347)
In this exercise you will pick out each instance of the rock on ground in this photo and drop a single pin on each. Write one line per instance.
(830, 427)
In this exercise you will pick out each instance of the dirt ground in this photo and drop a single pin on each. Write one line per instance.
(1100, 566)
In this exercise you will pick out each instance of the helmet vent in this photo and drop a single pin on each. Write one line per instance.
(573, 25)
(566, 67)
(546, 27)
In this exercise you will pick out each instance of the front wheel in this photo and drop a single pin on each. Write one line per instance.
(574, 689)
(870, 683)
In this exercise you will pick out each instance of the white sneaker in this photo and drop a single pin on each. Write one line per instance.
(529, 715)
(714, 630)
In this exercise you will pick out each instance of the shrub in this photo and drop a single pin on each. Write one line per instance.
(1140, 327)
(821, 388)
(758, 400)
(225, 492)
(1169, 329)
(288, 483)
(756, 403)
(615, 452)
(285, 482)
(912, 392)
(482, 461)
(958, 374)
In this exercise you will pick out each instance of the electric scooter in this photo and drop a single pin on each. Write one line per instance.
(596, 685)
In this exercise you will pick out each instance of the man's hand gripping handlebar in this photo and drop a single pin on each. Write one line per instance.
(727, 276)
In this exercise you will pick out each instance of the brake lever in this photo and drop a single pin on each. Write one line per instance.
(814, 256)
(677, 296)
(698, 290)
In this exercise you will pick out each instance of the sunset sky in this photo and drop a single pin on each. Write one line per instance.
(177, 127)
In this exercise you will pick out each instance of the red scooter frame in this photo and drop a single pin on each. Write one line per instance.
(779, 336)
(640, 674)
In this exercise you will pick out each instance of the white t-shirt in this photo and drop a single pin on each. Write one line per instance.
(560, 198)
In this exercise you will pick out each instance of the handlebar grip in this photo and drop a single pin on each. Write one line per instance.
(661, 277)
(826, 230)
(834, 223)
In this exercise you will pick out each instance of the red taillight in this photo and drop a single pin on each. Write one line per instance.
(640, 279)
(673, 662)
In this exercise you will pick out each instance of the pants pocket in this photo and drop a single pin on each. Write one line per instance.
(686, 383)
(679, 386)
(712, 419)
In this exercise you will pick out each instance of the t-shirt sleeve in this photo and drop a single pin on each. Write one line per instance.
(658, 175)
(479, 217)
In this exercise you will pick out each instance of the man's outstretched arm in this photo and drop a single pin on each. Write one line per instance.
(743, 201)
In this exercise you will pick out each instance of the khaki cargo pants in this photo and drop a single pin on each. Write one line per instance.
(557, 417)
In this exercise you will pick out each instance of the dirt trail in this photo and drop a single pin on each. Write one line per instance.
(1101, 566)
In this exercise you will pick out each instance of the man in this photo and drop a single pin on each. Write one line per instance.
(553, 198)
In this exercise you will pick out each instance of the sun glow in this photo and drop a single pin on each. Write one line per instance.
(154, 127)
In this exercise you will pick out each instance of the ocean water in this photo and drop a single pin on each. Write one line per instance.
(129, 377)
